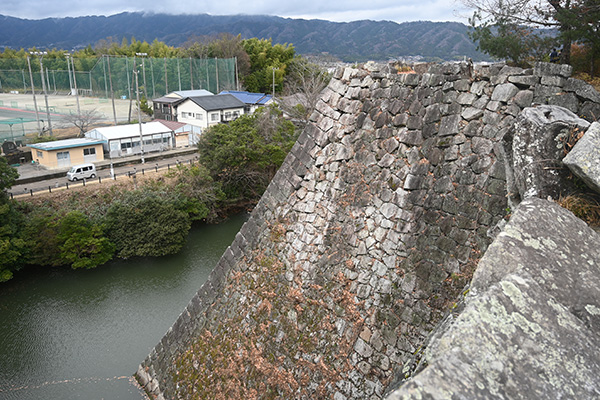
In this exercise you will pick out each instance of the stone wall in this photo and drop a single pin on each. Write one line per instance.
(363, 240)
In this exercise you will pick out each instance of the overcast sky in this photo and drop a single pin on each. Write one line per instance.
(334, 10)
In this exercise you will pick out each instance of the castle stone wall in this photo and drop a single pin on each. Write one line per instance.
(368, 233)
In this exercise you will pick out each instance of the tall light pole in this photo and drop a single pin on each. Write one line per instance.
(40, 55)
(69, 72)
(112, 93)
(137, 97)
(143, 55)
(37, 115)
(74, 80)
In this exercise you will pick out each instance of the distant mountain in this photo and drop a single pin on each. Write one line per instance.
(351, 41)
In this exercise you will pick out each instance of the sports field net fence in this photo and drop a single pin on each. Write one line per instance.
(94, 76)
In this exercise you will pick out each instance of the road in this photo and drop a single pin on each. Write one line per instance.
(121, 172)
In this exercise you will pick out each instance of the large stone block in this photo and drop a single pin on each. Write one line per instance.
(583, 90)
(531, 321)
(536, 151)
(543, 68)
(584, 157)
(504, 92)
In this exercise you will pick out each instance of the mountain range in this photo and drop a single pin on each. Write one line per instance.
(347, 41)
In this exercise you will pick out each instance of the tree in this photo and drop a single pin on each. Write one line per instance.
(268, 64)
(81, 243)
(84, 120)
(303, 86)
(225, 45)
(201, 192)
(12, 246)
(8, 177)
(57, 238)
(529, 13)
(503, 39)
(583, 18)
(245, 154)
(147, 223)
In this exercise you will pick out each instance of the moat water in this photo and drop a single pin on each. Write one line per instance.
(68, 334)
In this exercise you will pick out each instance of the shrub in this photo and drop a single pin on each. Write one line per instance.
(244, 155)
(147, 223)
(66, 239)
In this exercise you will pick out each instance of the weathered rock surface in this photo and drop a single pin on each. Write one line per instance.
(530, 328)
(584, 157)
(535, 148)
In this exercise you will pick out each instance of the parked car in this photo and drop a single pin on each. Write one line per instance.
(82, 171)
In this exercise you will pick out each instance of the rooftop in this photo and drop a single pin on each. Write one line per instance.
(65, 144)
(217, 102)
(249, 97)
(130, 130)
(182, 94)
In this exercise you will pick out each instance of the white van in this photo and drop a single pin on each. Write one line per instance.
(83, 171)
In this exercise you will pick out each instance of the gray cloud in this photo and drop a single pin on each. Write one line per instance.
(349, 10)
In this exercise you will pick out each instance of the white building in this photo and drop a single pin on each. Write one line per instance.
(165, 107)
(124, 140)
(205, 111)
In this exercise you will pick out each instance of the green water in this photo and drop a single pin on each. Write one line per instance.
(81, 334)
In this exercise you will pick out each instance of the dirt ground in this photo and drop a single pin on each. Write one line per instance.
(14, 106)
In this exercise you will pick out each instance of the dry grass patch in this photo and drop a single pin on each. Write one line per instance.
(584, 207)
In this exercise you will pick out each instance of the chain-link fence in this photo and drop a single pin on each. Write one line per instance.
(95, 76)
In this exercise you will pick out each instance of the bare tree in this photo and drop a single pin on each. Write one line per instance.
(303, 86)
(83, 120)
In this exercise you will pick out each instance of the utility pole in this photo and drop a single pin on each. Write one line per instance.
(191, 75)
(131, 95)
(237, 79)
(37, 115)
(40, 55)
(178, 74)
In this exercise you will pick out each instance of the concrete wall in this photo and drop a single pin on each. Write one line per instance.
(364, 239)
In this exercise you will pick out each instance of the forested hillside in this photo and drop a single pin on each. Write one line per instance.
(353, 41)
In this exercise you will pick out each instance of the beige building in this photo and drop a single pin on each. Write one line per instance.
(65, 153)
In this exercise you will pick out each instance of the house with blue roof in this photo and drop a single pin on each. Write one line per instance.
(165, 107)
(251, 100)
